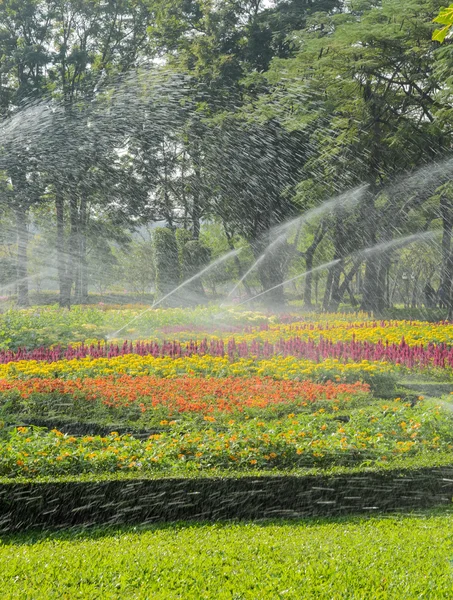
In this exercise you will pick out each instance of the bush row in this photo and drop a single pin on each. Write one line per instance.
(72, 503)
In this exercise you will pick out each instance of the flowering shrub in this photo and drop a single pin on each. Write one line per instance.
(429, 347)
(374, 434)
(277, 367)
(154, 398)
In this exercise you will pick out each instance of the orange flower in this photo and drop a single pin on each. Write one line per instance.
(189, 394)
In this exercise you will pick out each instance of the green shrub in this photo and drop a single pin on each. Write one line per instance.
(165, 261)
(195, 257)
(182, 237)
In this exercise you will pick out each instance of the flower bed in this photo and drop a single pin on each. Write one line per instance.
(411, 345)
(45, 326)
(377, 433)
(380, 375)
(282, 394)
(180, 395)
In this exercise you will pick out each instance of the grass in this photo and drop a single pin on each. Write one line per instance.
(424, 386)
(400, 557)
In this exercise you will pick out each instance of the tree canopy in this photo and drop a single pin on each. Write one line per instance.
(234, 117)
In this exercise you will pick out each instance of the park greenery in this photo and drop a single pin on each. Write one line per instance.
(217, 122)
(445, 18)
(251, 393)
(379, 557)
(226, 278)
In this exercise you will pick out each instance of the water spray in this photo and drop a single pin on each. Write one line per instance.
(350, 198)
(416, 237)
(218, 261)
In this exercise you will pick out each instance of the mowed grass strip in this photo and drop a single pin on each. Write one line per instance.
(401, 557)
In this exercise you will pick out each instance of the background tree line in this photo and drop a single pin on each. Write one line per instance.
(220, 121)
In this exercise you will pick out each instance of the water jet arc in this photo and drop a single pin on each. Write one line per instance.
(377, 248)
(180, 286)
(349, 198)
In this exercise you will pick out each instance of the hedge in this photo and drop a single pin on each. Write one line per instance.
(77, 503)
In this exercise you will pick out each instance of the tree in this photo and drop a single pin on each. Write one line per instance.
(370, 108)
(251, 166)
(62, 49)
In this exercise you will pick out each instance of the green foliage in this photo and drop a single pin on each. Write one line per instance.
(44, 326)
(166, 262)
(7, 271)
(260, 113)
(182, 237)
(195, 257)
(374, 433)
(102, 266)
(445, 17)
(213, 237)
(137, 266)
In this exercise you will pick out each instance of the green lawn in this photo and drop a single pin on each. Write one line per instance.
(400, 557)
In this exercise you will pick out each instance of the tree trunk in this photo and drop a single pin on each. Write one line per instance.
(333, 276)
(414, 292)
(270, 273)
(22, 260)
(387, 285)
(370, 302)
(352, 298)
(230, 241)
(270, 269)
(449, 288)
(309, 256)
(317, 276)
(446, 271)
(196, 191)
(393, 287)
(84, 273)
(72, 251)
(335, 298)
(370, 294)
(345, 287)
(81, 282)
(328, 290)
(196, 210)
(65, 298)
(382, 283)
